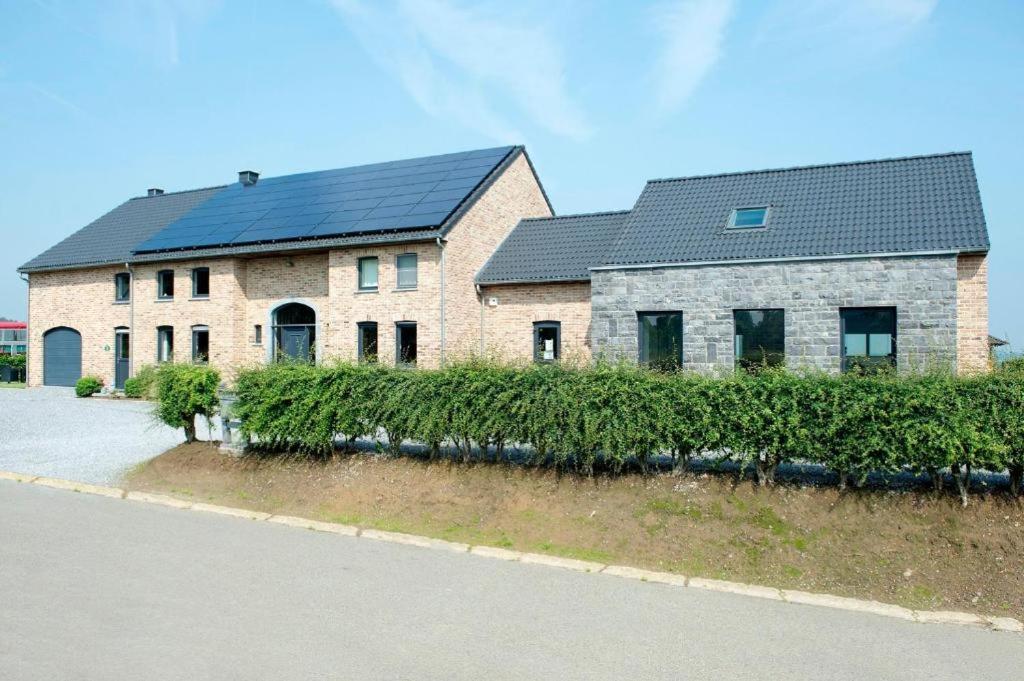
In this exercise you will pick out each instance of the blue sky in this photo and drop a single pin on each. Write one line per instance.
(99, 102)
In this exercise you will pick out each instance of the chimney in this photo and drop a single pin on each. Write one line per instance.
(154, 191)
(248, 177)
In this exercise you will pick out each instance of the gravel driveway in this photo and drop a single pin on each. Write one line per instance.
(48, 431)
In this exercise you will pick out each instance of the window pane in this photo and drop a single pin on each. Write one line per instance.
(546, 342)
(368, 273)
(368, 342)
(407, 271)
(749, 217)
(165, 345)
(407, 343)
(122, 287)
(661, 340)
(201, 282)
(200, 345)
(856, 345)
(165, 284)
(879, 344)
(760, 338)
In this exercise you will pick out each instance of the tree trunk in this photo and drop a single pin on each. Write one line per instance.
(936, 477)
(766, 466)
(190, 432)
(1016, 477)
(680, 460)
(963, 482)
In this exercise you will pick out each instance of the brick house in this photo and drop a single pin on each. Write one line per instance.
(831, 267)
(371, 260)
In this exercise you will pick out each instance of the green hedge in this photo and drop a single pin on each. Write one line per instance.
(185, 391)
(619, 414)
(87, 386)
(13, 361)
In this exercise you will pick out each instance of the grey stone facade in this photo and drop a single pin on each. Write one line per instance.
(923, 290)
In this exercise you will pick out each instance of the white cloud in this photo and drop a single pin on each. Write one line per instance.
(693, 31)
(469, 64)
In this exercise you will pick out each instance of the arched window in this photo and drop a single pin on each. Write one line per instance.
(294, 332)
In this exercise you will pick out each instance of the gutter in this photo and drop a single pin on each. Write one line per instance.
(440, 247)
(480, 297)
(131, 323)
(796, 258)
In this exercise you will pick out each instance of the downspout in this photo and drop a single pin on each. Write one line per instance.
(440, 246)
(480, 295)
(28, 320)
(131, 320)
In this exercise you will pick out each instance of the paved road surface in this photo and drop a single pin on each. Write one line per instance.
(49, 431)
(97, 588)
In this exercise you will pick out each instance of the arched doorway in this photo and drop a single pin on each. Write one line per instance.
(293, 327)
(62, 356)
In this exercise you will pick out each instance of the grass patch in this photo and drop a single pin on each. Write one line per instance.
(865, 544)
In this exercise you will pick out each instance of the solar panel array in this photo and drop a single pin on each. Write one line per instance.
(382, 197)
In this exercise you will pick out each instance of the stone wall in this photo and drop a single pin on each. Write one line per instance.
(923, 290)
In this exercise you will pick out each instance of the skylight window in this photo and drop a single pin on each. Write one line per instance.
(748, 218)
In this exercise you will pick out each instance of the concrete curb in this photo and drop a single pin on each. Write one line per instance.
(1007, 624)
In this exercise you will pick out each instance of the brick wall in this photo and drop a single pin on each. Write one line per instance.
(923, 290)
(508, 326)
(84, 301)
(972, 313)
(513, 196)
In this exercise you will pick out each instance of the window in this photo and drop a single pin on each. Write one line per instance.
(165, 284)
(368, 274)
(164, 344)
(257, 334)
(122, 287)
(869, 338)
(547, 340)
(405, 342)
(406, 265)
(367, 341)
(201, 282)
(661, 339)
(21, 349)
(746, 218)
(200, 344)
(760, 339)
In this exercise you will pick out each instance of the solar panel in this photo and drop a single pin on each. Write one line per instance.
(381, 197)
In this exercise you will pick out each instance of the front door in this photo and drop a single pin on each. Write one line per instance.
(295, 342)
(122, 354)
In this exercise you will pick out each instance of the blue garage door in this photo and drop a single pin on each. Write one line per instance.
(62, 356)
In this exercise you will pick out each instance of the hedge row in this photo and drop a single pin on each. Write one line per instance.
(617, 415)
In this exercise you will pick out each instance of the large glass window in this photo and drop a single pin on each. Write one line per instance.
(547, 341)
(367, 274)
(405, 342)
(165, 284)
(406, 265)
(201, 282)
(165, 344)
(367, 341)
(661, 339)
(295, 332)
(122, 287)
(869, 338)
(760, 338)
(200, 344)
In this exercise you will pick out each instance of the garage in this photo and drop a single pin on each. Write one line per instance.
(62, 356)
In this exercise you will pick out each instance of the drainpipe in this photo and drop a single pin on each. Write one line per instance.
(480, 296)
(440, 247)
(131, 321)
(28, 320)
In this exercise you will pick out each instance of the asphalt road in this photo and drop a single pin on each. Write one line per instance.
(98, 588)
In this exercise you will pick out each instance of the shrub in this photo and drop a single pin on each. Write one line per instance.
(88, 386)
(146, 380)
(185, 391)
(617, 415)
(132, 388)
(1014, 365)
(13, 361)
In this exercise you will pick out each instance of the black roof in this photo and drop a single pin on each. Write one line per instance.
(553, 249)
(111, 238)
(902, 205)
(411, 194)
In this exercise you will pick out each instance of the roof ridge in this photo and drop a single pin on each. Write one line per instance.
(180, 191)
(579, 215)
(812, 167)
